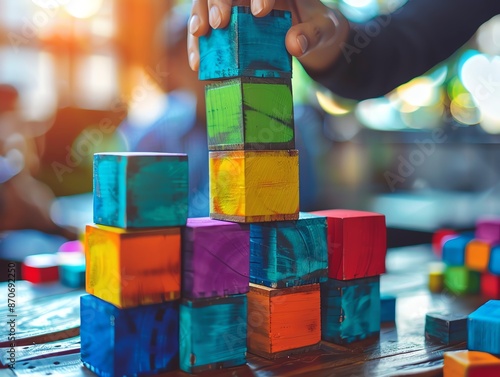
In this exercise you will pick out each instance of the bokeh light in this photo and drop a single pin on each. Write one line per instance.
(83, 8)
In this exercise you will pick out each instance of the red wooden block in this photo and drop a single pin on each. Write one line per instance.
(40, 268)
(357, 243)
(438, 238)
(490, 286)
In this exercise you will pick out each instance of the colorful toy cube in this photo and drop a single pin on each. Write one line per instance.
(460, 280)
(477, 255)
(470, 364)
(446, 328)
(484, 328)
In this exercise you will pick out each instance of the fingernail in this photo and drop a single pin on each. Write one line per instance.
(302, 41)
(192, 57)
(257, 7)
(194, 24)
(215, 17)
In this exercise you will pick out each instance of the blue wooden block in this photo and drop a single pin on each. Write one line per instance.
(484, 328)
(140, 190)
(494, 264)
(213, 333)
(129, 342)
(387, 308)
(250, 46)
(446, 328)
(289, 253)
(350, 309)
(454, 250)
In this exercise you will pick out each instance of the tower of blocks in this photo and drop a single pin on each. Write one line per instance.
(130, 318)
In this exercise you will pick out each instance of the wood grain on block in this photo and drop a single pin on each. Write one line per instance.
(484, 328)
(438, 237)
(488, 229)
(133, 267)
(460, 280)
(350, 309)
(387, 308)
(248, 113)
(215, 258)
(494, 264)
(140, 190)
(470, 364)
(477, 255)
(283, 322)
(357, 243)
(129, 342)
(250, 46)
(289, 253)
(40, 268)
(454, 250)
(213, 333)
(490, 286)
(254, 186)
(446, 328)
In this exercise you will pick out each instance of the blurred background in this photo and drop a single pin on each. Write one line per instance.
(79, 77)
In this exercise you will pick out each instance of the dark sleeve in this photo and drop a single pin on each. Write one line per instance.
(390, 50)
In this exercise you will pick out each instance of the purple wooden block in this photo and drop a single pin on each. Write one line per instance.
(488, 229)
(215, 258)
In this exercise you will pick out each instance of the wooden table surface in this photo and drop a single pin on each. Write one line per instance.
(48, 317)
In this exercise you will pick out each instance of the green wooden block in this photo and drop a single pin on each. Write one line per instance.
(249, 113)
(460, 280)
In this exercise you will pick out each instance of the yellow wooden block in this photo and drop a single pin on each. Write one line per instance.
(436, 277)
(254, 186)
(477, 255)
(470, 364)
(128, 268)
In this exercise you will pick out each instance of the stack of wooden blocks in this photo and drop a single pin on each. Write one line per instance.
(130, 320)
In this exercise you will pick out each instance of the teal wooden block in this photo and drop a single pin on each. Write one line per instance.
(140, 190)
(289, 253)
(250, 113)
(213, 333)
(387, 308)
(350, 309)
(446, 328)
(483, 328)
(250, 46)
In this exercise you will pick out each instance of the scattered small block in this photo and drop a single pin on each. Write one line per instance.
(460, 280)
(289, 253)
(72, 269)
(454, 250)
(350, 309)
(470, 364)
(283, 322)
(247, 47)
(436, 277)
(140, 190)
(494, 264)
(490, 286)
(357, 243)
(438, 237)
(248, 113)
(129, 342)
(477, 255)
(40, 268)
(215, 258)
(488, 229)
(133, 267)
(213, 333)
(484, 328)
(446, 328)
(254, 186)
(387, 308)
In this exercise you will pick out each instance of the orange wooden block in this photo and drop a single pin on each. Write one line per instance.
(282, 322)
(128, 268)
(477, 255)
(470, 364)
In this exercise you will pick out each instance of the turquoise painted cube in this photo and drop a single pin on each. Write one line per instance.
(213, 333)
(387, 308)
(446, 328)
(289, 253)
(350, 309)
(250, 46)
(483, 328)
(140, 190)
(129, 342)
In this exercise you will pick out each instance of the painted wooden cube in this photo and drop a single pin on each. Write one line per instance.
(488, 229)
(477, 255)
(215, 258)
(484, 328)
(133, 267)
(248, 113)
(494, 264)
(387, 308)
(454, 250)
(254, 186)
(283, 322)
(140, 190)
(289, 253)
(470, 364)
(250, 46)
(40, 268)
(436, 276)
(350, 309)
(357, 243)
(438, 237)
(213, 333)
(446, 328)
(490, 286)
(128, 342)
(460, 280)
(72, 270)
